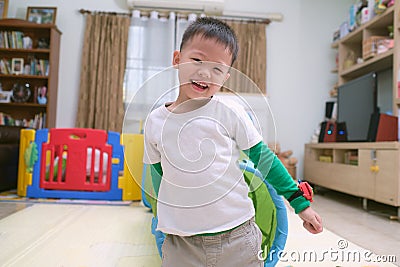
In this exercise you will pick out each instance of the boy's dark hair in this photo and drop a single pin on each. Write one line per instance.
(212, 28)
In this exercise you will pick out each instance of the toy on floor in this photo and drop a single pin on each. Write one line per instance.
(270, 209)
(92, 161)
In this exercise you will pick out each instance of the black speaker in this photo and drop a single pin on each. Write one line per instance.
(332, 132)
(341, 132)
(322, 132)
(328, 132)
(329, 109)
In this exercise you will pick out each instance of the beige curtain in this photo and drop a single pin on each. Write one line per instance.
(251, 59)
(102, 72)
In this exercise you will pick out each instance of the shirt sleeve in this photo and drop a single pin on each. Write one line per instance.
(245, 133)
(276, 174)
(156, 175)
(151, 152)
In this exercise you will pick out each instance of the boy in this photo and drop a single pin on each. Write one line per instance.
(194, 144)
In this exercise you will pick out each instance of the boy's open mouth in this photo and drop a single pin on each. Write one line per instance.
(200, 85)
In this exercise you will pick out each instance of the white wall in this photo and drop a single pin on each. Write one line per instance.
(299, 59)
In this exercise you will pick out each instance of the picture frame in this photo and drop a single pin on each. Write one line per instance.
(3, 8)
(41, 15)
(5, 96)
(17, 66)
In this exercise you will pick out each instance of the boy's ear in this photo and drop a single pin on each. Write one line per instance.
(176, 59)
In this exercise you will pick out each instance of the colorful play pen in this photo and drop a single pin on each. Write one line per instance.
(80, 163)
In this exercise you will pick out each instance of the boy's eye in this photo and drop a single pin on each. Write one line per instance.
(196, 60)
(218, 70)
(221, 69)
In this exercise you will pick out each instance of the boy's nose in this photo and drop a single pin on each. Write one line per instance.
(204, 72)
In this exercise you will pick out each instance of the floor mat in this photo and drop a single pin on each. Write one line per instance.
(78, 235)
(11, 196)
(102, 236)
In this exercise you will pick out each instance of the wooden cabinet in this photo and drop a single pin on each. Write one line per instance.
(367, 170)
(38, 73)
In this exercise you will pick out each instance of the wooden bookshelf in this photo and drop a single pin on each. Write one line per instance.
(40, 69)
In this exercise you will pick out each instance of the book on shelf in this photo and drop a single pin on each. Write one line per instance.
(11, 39)
(5, 66)
(15, 40)
(325, 158)
(39, 67)
(38, 122)
(351, 157)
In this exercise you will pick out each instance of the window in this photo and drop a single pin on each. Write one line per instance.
(151, 43)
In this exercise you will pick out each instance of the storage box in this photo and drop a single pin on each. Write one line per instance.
(370, 46)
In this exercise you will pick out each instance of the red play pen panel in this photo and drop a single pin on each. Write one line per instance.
(76, 159)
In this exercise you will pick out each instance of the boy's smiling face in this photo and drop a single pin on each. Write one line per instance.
(203, 66)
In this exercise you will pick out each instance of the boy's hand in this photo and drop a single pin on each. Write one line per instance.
(311, 220)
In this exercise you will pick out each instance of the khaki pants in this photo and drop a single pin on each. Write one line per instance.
(238, 247)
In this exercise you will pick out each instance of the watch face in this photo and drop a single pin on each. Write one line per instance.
(20, 93)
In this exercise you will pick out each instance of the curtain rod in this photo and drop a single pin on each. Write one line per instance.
(270, 16)
(245, 19)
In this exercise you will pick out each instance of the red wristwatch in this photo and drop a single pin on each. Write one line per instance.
(305, 190)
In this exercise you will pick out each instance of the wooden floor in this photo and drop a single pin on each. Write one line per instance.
(91, 235)
(373, 229)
